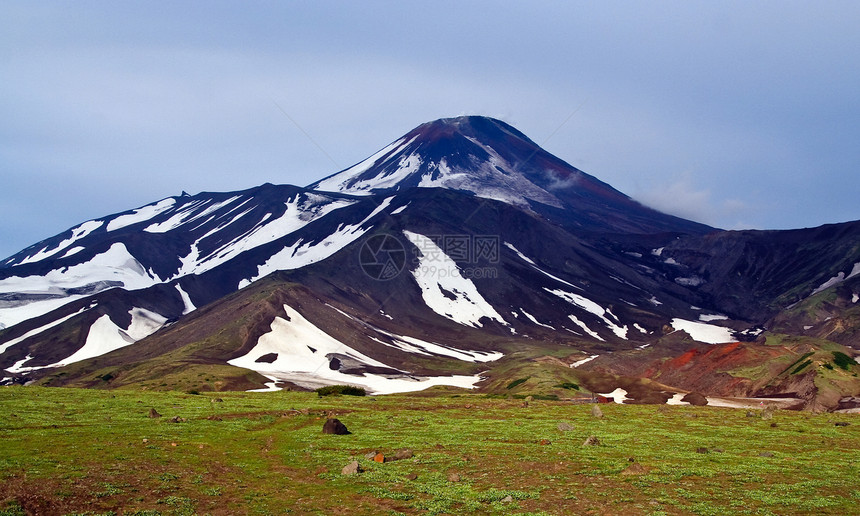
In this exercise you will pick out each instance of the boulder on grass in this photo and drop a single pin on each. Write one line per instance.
(403, 454)
(335, 427)
(353, 468)
(695, 398)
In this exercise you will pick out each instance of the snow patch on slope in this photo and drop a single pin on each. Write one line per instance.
(583, 361)
(188, 214)
(302, 253)
(105, 336)
(839, 278)
(703, 332)
(422, 347)
(593, 308)
(297, 214)
(186, 300)
(585, 328)
(532, 318)
(535, 267)
(619, 395)
(303, 355)
(8, 344)
(445, 290)
(141, 214)
(339, 182)
(114, 267)
(77, 233)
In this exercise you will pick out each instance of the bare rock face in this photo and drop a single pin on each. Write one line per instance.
(695, 398)
(335, 427)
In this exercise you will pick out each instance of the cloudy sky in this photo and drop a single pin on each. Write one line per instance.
(736, 114)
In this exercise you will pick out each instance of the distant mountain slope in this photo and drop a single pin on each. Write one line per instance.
(462, 250)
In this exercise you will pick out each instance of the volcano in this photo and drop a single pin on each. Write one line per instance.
(461, 254)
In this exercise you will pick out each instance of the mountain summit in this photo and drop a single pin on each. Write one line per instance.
(493, 160)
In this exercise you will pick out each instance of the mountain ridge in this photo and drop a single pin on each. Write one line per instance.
(409, 274)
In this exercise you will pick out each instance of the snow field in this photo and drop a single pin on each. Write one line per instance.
(302, 350)
(445, 290)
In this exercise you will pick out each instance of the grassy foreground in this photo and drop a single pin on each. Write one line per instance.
(70, 451)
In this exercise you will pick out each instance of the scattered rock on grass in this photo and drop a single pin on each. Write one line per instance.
(765, 454)
(635, 469)
(403, 453)
(335, 427)
(768, 411)
(702, 449)
(353, 468)
(508, 499)
(379, 457)
(453, 477)
(411, 476)
(565, 427)
(841, 423)
(177, 419)
(596, 412)
(695, 398)
(370, 455)
(154, 413)
(591, 441)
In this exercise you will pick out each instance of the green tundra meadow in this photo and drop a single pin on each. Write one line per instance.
(99, 452)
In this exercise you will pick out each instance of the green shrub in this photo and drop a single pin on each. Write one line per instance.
(348, 390)
(569, 386)
(517, 382)
(842, 360)
(801, 366)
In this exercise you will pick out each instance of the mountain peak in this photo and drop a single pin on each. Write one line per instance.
(491, 159)
(476, 154)
(478, 127)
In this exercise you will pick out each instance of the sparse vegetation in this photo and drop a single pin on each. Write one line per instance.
(70, 451)
(338, 390)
